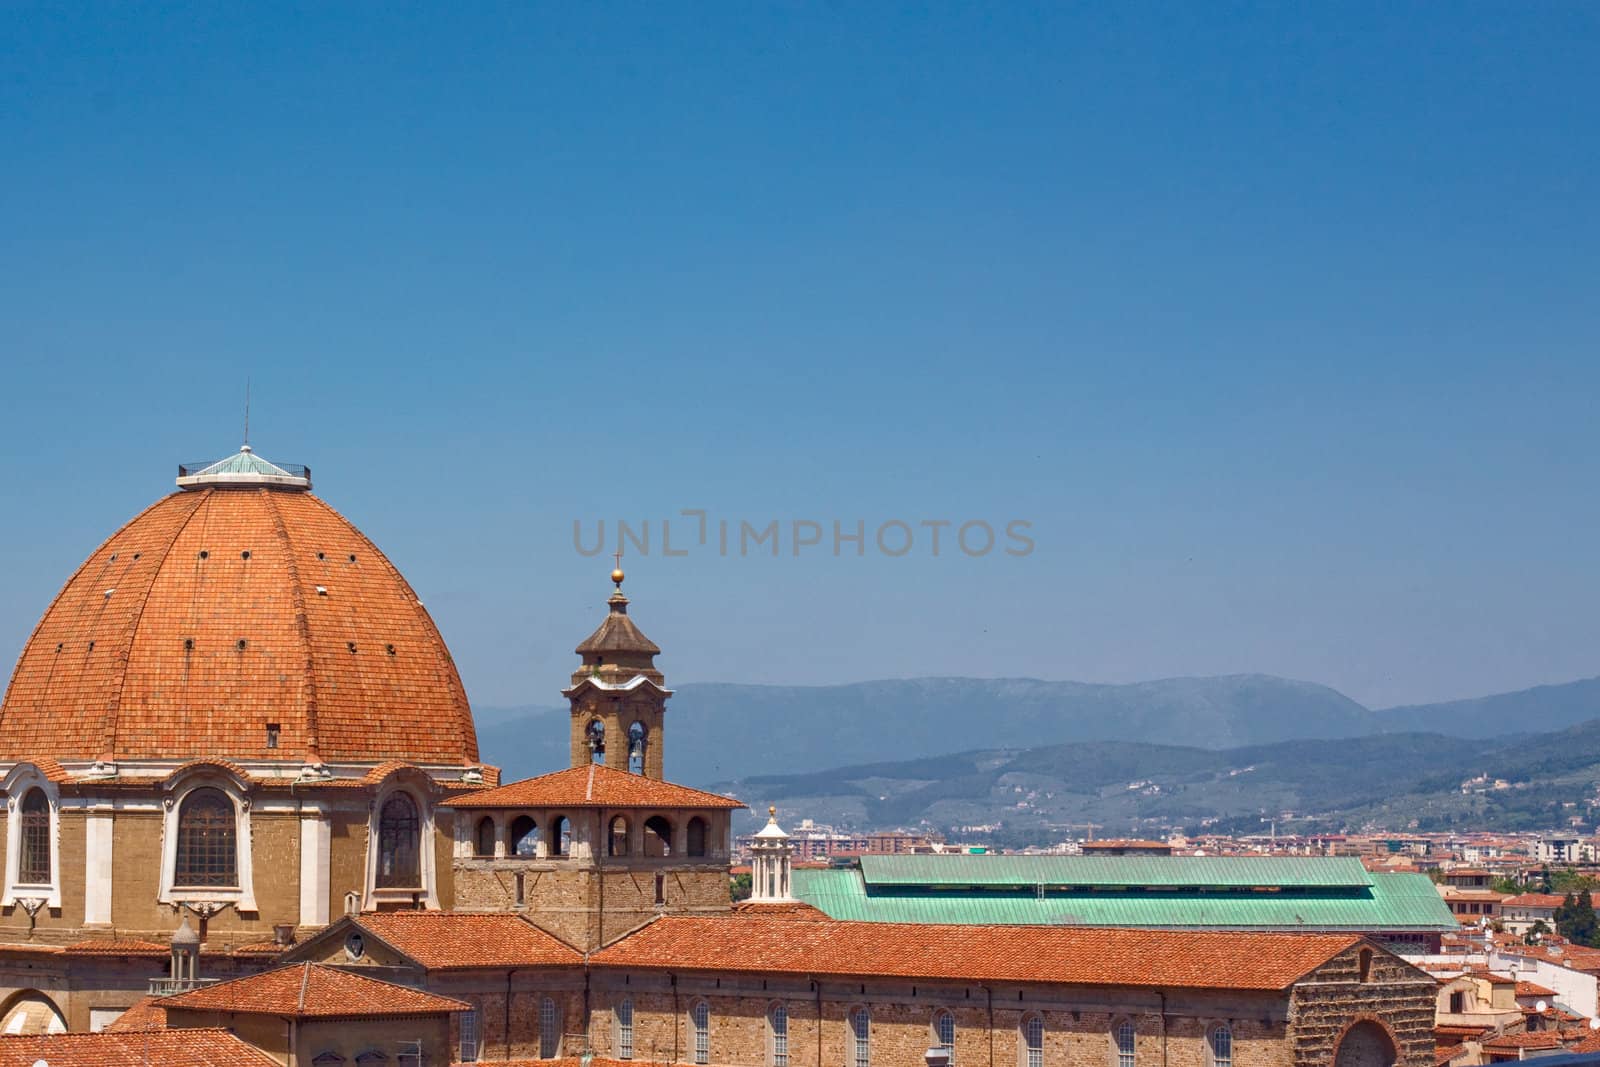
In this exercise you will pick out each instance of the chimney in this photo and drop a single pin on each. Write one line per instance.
(283, 934)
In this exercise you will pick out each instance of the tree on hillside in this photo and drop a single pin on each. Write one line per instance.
(1536, 932)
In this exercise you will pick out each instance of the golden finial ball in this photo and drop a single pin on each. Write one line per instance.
(617, 576)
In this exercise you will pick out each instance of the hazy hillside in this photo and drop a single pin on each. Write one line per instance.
(719, 731)
(1395, 781)
(1545, 707)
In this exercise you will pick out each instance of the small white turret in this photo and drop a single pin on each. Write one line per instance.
(769, 868)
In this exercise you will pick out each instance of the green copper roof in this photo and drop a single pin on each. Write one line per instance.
(1390, 902)
(1174, 872)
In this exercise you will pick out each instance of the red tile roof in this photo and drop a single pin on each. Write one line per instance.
(1538, 1039)
(145, 1014)
(1534, 900)
(117, 948)
(169, 1048)
(789, 909)
(312, 990)
(1532, 989)
(107, 672)
(1071, 955)
(443, 941)
(592, 786)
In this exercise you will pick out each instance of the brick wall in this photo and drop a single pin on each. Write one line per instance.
(1337, 996)
(1077, 1028)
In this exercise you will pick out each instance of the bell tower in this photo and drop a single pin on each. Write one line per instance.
(617, 695)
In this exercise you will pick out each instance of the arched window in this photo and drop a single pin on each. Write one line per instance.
(696, 836)
(524, 836)
(469, 1027)
(1032, 1041)
(778, 1035)
(549, 1030)
(700, 1020)
(1221, 1041)
(33, 866)
(1123, 1040)
(861, 1037)
(595, 735)
(327, 1059)
(625, 1029)
(618, 845)
(657, 837)
(399, 843)
(560, 840)
(944, 1033)
(638, 742)
(483, 840)
(208, 838)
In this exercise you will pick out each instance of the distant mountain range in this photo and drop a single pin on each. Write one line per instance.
(1392, 781)
(721, 732)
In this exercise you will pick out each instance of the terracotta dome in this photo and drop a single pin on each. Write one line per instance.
(239, 618)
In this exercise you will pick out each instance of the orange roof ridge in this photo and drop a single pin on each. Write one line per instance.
(595, 785)
(313, 990)
(1070, 955)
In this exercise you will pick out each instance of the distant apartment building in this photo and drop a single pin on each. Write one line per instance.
(1563, 848)
(1518, 914)
(816, 843)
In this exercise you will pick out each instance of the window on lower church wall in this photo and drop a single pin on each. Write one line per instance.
(372, 1058)
(657, 837)
(1124, 1037)
(700, 1019)
(207, 841)
(34, 865)
(778, 1026)
(696, 836)
(618, 845)
(469, 1036)
(327, 1059)
(625, 1030)
(861, 1037)
(1032, 1042)
(483, 837)
(549, 1030)
(410, 1054)
(944, 1033)
(399, 840)
(1221, 1042)
(524, 836)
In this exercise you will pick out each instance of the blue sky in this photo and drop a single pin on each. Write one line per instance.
(1276, 322)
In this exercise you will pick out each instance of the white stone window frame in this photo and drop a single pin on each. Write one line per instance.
(428, 892)
(1024, 1049)
(1115, 1033)
(1212, 1031)
(207, 898)
(18, 783)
